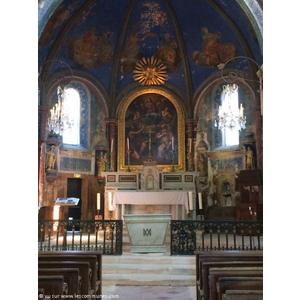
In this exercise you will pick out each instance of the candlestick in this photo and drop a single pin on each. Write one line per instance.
(200, 200)
(172, 158)
(128, 144)
(150, 150)
(111, 145)
(98, 201)
(110, 208)
(191, 200)
(190, 145)
(128, 158)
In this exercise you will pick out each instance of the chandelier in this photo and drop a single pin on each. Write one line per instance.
(230, 116)
(59, 119)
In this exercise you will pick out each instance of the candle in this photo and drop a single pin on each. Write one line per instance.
(110, 201)
(98, 201)
(200, 200)
(191, 200)
(172, 143)
(128, 144)
(190, 145)
(111, 145)
(242, 110)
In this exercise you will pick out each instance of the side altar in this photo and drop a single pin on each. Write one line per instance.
(149, 190)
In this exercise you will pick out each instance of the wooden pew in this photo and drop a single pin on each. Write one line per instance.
(243, 295)
(92, 259)
(216, 255)
(53, 285)
(239, 283)
(216, 273)
(71, 277)
(207, 265)
(98, 254)
(84, 270)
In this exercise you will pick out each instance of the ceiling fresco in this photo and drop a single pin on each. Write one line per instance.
(106, 39)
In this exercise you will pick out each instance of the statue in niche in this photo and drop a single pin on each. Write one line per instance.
(101, 163)
(50, 159)
(249, 159)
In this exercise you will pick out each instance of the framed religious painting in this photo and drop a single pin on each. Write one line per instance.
(151, 129)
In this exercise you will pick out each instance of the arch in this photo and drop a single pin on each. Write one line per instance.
(212, 83)
(86, 88)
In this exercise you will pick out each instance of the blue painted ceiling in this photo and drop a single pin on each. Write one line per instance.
(104, 39)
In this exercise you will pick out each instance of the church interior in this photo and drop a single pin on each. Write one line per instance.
(150, 107)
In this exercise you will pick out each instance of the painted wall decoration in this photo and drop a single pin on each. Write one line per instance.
(169, 53)
(91, 50)
(151, 125)
(132, 52)
(146, 39)
(213, 51)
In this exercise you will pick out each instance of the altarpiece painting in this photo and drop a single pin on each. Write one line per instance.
(151, 129)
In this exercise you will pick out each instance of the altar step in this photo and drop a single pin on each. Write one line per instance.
(148, 270)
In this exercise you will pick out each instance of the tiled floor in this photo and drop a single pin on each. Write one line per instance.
(149, 292)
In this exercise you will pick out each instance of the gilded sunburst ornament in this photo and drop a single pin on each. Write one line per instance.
(150, 71)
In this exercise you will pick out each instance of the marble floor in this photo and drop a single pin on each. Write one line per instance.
(149, 292)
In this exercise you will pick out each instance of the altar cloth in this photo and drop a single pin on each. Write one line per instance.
(152, 198)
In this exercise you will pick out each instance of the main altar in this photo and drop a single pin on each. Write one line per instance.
(147, 199)
(149, 190)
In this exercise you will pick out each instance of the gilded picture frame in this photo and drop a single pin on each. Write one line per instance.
(151, 128)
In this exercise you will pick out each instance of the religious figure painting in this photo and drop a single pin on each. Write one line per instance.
(132, 52)
(91, 50)
(150, 129)
(213, 51)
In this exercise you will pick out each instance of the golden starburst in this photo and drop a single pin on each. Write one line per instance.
(150, 71)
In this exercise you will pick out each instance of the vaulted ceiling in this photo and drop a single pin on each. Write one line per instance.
(104, 40)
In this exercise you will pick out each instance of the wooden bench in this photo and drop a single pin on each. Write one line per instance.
(239, 283)
(216, 273)
(84, 270)
(71, 277)
(206, 266)
(221, 256)
(53, 285)
(243, 295)
(91, 259)
(98, 254)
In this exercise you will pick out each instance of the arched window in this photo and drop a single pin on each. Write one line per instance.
(71, 135)
(230, 117)
(230, 105)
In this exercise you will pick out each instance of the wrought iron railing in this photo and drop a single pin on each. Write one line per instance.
(188, 236)
(59, 235)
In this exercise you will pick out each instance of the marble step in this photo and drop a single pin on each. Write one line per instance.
(148, 259)
(148, 280)
(148, 270)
